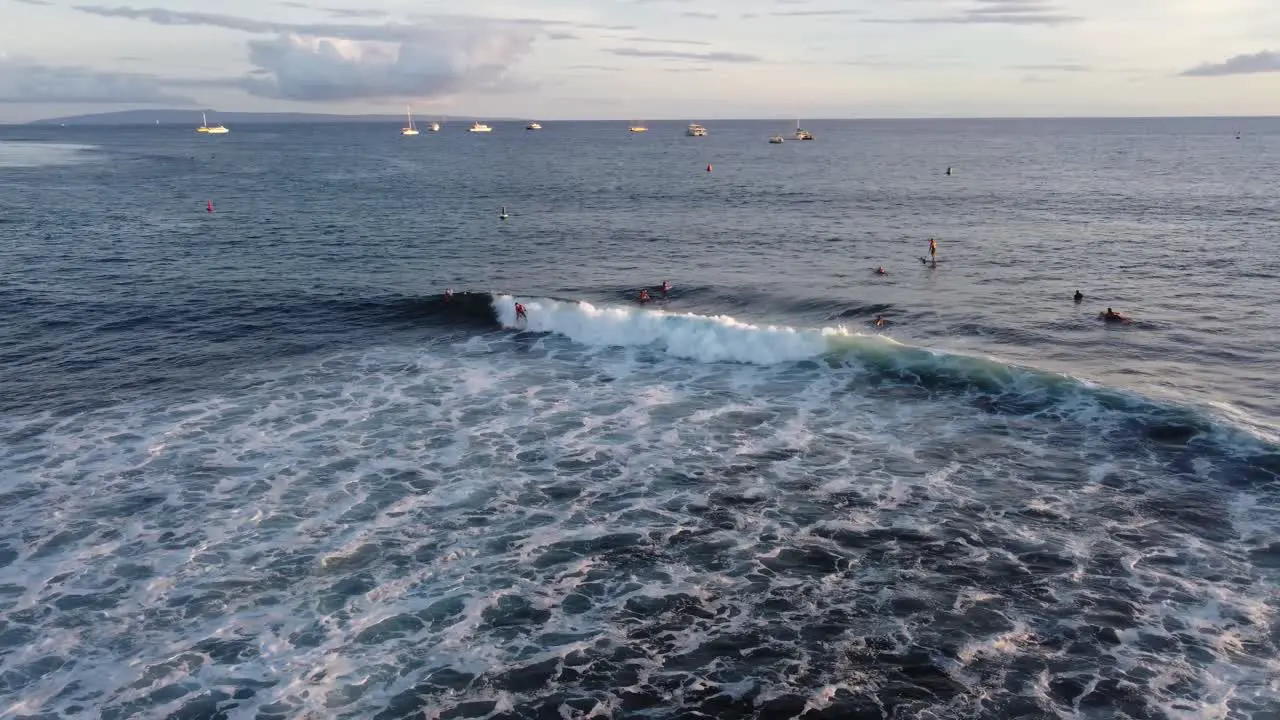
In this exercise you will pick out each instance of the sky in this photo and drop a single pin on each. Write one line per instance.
(644, 59)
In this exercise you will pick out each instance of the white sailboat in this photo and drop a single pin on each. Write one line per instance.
(411, 130)
(802, 134)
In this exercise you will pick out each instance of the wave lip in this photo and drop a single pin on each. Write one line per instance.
(704, 338)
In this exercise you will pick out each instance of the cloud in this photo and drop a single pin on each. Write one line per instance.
(436, 57)
(699, 15)
(355, 13)
(1259, 62)
(41, 3)
(815, 13)
(667, 41)
(1004, 12)
(29, 82)
(1054, 67)
(386, 31)
(324, 69)
(674, 54)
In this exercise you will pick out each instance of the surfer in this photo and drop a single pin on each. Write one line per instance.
(1079, 296)
(520, 312)
(448, 294)
(666, 287)
(879, 321)
(644, 297)
(1112, 316)
(933, 250)
(881, 271)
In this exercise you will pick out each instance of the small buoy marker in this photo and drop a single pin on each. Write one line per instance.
(209, 207)
(708, 167)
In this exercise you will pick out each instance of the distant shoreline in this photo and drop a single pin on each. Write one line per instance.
(192, 118)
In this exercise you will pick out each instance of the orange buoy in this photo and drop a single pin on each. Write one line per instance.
(210, 206)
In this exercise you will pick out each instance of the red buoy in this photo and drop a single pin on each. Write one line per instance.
(708, 167)
(210, 207)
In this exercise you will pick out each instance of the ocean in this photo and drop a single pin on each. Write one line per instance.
(255, 466)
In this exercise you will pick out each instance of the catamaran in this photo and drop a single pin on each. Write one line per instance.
(802, 134)
(411, 130)
(696, 130)
(218, 129)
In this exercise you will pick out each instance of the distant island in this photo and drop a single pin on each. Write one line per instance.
(192, 118)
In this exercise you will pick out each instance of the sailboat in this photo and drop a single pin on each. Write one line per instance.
(218, 129)
(411, 130)
(802, 134)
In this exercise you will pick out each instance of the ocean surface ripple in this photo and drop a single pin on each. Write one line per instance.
(255, 465)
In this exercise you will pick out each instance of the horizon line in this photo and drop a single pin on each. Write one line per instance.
(509, 118)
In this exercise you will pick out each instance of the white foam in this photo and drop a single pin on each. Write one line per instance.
(686, 335)
(293, 485)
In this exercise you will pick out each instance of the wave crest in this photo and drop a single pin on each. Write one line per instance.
(991, 386)
(704, 338)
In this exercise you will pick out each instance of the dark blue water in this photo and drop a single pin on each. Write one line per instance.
(254, 464)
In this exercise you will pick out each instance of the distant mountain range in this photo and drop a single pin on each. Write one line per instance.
(192, 118)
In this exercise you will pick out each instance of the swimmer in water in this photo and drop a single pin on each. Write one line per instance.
(881, 271)
(520, 312)
(879, 321)
(448, 294)
(666, 287)
(644, 296)
(1079, 297)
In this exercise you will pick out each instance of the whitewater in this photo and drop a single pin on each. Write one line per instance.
(612, 510)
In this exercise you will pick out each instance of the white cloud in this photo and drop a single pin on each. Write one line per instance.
(299, 67)
(335, 61)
